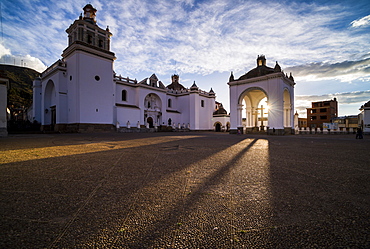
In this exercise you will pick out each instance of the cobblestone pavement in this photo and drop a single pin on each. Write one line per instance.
(184, 190)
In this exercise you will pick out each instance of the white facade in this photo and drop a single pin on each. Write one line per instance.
(4, 82)
(247, 92)
(81, 92)
(364, 118)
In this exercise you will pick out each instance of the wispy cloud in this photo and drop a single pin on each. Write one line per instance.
(198, 36)
(6, 57)
(362, 22)
(344, 71)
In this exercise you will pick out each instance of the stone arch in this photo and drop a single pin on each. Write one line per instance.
(50, 104)
(249, 107)
(218, 126)
(228, 126)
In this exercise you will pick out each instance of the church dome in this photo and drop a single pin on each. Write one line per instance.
(260, 70)
(220, 109)
(175, 85)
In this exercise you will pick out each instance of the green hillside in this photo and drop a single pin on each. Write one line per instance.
(20, 81)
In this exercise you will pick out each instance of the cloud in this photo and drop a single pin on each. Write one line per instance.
(6, 57)
(344, 71)
(362, 22)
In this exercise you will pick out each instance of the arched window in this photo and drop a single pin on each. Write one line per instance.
(202, 103)
(124, 95)
(169, 103)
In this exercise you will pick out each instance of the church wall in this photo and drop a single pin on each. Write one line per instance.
(37, 99)
(205, 113)
(233, 95)
(194, 111)
(125, 114)
(3, 104)
(276, 103)
(57, 98)
(183, 106)
(131, 95)
(95, 98)
(73, 89)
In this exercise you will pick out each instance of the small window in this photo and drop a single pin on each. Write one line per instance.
(202, 103)
(323, 110)
(169, 103)
(313, 118)
(124, 95)
(97, 78)
(323, 117)
(70, 77)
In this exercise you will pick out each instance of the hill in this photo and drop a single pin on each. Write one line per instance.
(20, 85)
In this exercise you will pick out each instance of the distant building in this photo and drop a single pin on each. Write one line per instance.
(302, 122)
(322, 112)
(4, 84)
(347, 123)
(364, 118)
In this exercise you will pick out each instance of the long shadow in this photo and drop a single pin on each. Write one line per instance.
(166, 224)
(25, 228)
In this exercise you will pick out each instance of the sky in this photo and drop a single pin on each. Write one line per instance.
(325, 44)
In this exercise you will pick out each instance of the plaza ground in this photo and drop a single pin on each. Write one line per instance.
(184, 190)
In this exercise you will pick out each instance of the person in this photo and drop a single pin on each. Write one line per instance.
(359, 133)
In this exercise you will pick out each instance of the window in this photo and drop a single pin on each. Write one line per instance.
(313, 118)
(202, 103)
(89, 39)
(124, 95)
(169, 103)
(323, 117)
(323, 110)
(97, 78)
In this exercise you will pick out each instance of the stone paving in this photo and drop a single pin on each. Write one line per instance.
(184, 190)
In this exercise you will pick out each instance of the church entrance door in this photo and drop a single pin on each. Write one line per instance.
(53, 115)
(150, 122)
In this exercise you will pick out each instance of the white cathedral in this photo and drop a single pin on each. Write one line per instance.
(81, 91)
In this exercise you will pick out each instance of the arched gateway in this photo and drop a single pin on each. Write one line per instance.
(262, 100)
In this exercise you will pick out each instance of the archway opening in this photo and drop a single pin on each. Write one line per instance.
(217, 127)
(50, 107)
(254, 110)
(149, 120)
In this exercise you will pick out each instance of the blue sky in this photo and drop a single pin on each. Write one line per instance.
(325, 44)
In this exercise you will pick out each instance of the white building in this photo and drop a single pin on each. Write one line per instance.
(220, 120)
(4, 84)
(264, 96)
(81, 92)
(364, 118)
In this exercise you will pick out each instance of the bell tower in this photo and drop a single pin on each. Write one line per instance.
(87, 31)
(89, 73)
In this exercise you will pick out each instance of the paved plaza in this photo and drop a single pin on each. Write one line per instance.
(184, 190)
